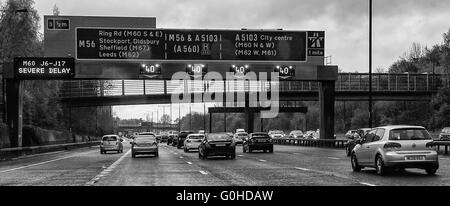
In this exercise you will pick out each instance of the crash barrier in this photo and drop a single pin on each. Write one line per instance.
(329, 143)
(7, 153)
(440, 143)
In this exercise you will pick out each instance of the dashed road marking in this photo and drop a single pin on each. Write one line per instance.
(300, 168)
(41, 163)
(367, 184)
(106, 171)
(181, 157)
(334, 158)
(240, 155)
(189, 163)
(203, 172)
(262, 160)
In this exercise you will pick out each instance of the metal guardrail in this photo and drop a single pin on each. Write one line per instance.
(328, 143)
(346, 82)
(19, 151)
(445, 144)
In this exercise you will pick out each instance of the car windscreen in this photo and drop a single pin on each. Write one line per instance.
(297, 132)
(196, 137)
(219, 137)
(109, 138)
(242, 134)
(277, 132)
(145, 138)
(409, 134)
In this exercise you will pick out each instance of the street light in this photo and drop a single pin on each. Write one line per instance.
(370, 63)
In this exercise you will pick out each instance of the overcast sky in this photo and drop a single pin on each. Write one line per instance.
(397, 23)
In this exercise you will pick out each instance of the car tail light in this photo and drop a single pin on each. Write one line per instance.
(392, 145)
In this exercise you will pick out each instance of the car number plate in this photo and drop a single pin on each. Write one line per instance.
(421, 157)
(220, 145)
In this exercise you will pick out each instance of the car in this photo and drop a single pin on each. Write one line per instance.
(164, 137)
(445, 134)
(309, 134)
(239, 137)
(351, 142)
(217, 144)
(158, 138)
(173, 135)
(240, 130)
(111, 143)
(396, 147)
(201, 131)
(350, 134)
(258, 141)
(192, 141)
(180, 138)
(296, 134)
(144, 143)
(276, 134)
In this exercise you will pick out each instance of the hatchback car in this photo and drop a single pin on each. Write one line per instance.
(276, 134)
(144, 143)
(111, 143)
(258, 141)
(217, 144)
(296, 134)
(445, 134)
(192, 142)
(399, 147)
(240, 137)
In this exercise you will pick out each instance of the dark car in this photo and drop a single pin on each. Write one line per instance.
(217, 144)
(445, 134)
(171, 136)
(181, 137)
(352, 139)
(258, 141)
(164, 137)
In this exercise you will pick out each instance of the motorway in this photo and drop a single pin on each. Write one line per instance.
(287, 166)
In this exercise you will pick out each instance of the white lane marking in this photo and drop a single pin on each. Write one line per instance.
(181, 157)
(240, 155)
(262, 160)
(106, 171)
(334, 158)
(300, 168)
(175, 153)
(189, 163)
(203, 172)
(367, 184)
(40, 163)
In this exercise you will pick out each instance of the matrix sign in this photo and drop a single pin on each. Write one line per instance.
(176, 44)
(44, 68)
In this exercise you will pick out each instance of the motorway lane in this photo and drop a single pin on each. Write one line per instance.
(288, 165)
(175, 167)
(72, 168)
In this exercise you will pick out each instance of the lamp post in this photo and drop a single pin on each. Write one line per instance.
(370, 64)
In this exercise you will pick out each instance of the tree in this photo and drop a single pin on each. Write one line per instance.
(55, 10)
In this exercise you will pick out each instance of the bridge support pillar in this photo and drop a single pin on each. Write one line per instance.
(326, 98)
(14, 111)
(250, 117)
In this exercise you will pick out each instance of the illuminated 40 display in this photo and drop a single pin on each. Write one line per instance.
(285, 71)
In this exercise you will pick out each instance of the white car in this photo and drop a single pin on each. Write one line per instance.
(192, 142)
(276, 134)
(240, 130)
(296, 134)
(240, 137)
(399, 146)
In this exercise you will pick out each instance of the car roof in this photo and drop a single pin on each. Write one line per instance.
(390, 127)
(110, 135)
(146, 133)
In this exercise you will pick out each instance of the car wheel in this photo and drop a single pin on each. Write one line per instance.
(347, 149)
(249, 150)
(156, 154)
(431, 171)
(233, 156)
(271, 150)
(379, 165)
(101, 151)
(133, 155)
(243, 150)
(355, 165)
(199, 155)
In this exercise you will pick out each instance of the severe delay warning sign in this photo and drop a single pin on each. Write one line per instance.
(175, 44)
(44, 67)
